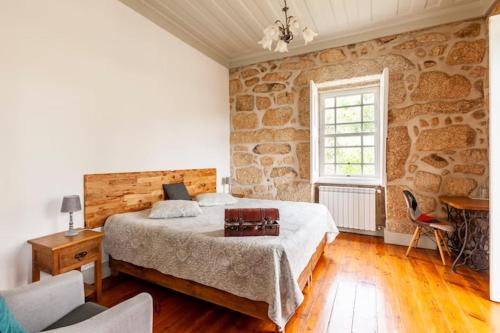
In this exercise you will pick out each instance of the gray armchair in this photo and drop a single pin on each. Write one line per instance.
(53, 303)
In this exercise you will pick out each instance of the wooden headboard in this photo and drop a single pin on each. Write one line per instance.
(113, 193)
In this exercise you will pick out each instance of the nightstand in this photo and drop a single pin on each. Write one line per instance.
(57, 253)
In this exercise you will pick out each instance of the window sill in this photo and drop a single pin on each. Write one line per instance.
(349, 181)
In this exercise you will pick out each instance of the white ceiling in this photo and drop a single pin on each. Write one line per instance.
(228, 30)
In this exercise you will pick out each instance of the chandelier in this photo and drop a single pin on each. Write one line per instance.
(283, 32)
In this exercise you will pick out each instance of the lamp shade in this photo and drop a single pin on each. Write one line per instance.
(70, 204)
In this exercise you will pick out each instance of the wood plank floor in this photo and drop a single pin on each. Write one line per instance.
(359, 285)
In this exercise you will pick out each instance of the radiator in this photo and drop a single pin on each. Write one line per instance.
(351, 207)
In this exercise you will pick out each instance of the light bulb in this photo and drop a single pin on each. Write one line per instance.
(308, 35)
(272, 31)
(295, 25)
(266, 42)
(281, 47)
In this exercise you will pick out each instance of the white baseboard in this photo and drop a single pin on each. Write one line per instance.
(404, 239)
(88, 272)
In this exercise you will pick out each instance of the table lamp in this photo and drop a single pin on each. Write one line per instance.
(71, 204)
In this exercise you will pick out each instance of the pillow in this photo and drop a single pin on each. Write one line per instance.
(8, 323)
(215, 199)
(168, 209)
(176, 191)
(427, 218)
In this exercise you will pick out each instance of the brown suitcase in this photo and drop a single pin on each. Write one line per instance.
(251, 222)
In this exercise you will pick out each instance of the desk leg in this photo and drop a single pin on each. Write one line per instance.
(35, 271)
(464, 242)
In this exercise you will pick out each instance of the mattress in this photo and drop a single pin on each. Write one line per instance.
(264, 268)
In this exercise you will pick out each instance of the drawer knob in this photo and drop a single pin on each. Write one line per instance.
(80, 255)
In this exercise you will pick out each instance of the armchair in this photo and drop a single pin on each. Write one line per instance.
(57, 304)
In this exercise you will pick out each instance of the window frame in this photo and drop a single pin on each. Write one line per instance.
(375, 89)
(382, 80)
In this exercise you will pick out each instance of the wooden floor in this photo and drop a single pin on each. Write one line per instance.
(360, 285)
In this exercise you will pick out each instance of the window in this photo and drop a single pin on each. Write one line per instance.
(348, 130)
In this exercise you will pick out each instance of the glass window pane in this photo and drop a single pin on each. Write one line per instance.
(348, 155)
(329, 141)
(349, 115)
(330, 169)
(330, 102)
(368, 140)
(349, 128)
(368, 113)
(329, 116)
(349, 169)
(369, 155)
(348, 100)
(329, 130)
(348, 141)
(368, 127)
(368, 170)
(329, 155)
(369, 98)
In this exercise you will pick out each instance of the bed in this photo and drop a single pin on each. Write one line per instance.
(259, 276)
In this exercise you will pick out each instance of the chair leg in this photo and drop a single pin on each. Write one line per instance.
(415, 234)
(438, 242)
(418, 237)
(444, 243)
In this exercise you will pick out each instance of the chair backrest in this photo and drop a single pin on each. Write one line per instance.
(412, 205)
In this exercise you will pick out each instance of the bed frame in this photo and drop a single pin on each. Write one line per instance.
(113, 193)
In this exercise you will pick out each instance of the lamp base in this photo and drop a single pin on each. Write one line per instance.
(71, 232)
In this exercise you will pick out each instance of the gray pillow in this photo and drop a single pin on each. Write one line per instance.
(176, 191)
(168, 209)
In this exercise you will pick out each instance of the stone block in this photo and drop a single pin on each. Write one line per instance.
(426, 181)
(451, 137)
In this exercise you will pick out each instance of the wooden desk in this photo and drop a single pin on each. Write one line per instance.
(466, 203)
(57, 253)
(470, 242)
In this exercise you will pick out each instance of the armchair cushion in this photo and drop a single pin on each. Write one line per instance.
(81, 313)
(8, 322)
(39, 304)
(134, 315)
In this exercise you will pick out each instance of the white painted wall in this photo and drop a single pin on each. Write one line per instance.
(494, 66)
(90, 86)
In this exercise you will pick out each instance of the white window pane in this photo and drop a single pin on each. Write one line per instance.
(329, 142)
(348, 155)
(349, 169)
(349, 115)
(349, 128)
(368, 140)
(329, 116)
(330, 130)
(369, 155)
(369, 98)
(368, 113)
(343, 141)
(348, 100)
(368, 170)
(329, 169)
(330, 102)
(329, 155)
(349, 134)
(368, 127)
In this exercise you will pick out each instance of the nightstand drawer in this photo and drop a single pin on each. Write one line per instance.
(78, 255)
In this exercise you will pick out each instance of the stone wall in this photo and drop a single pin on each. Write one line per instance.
(438, 122)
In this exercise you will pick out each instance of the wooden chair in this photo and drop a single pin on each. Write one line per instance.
(436, 227)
